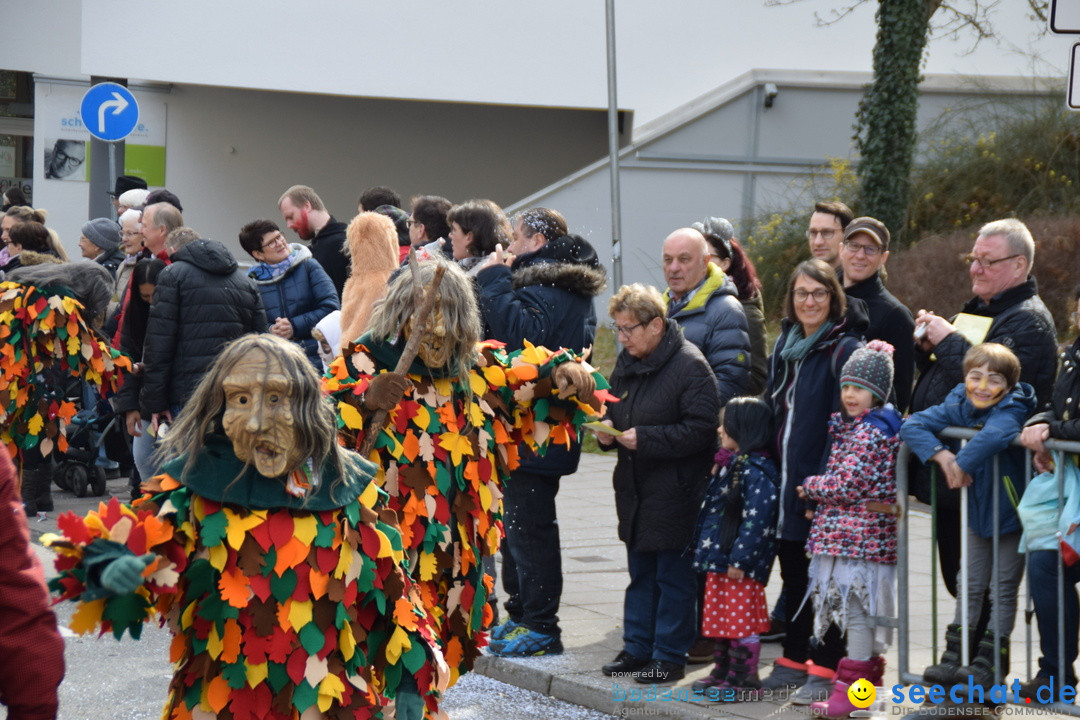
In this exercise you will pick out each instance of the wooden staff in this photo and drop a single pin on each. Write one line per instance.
(379, 419)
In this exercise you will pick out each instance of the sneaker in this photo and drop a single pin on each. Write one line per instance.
(523, 642)
(776, 633)
(817, 688)
(660, 671)
(42, 517)
(785, 676)
(624, 663)
(500, 631)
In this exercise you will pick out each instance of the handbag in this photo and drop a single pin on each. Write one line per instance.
(1038, 508)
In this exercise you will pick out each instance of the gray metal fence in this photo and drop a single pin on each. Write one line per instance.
(1059, 449)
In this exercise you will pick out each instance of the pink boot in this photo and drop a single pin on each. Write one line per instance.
(838, 705)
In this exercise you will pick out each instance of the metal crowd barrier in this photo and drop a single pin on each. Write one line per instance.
(1059, 449)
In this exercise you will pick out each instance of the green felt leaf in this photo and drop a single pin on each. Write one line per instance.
(352, 512)
(212, 529)
(392, 534)
(442, 478)
(304, 696)
(416, 656)
(277, 676)
(200, 579)
(282, 587)
(235, 675)
(126, 612)
(312, 638)
(341, 616)
(540, 408)
(324, 536)
(431, 536)
(192, 694)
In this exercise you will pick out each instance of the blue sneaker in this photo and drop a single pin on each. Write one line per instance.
(499, 631)
(523, 642)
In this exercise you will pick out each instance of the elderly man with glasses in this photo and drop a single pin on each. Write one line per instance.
(1005, 294)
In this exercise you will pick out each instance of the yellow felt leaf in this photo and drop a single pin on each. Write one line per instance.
(476, 416)
(485, 497)
(495, 376)
(305, 529)
(385, 548)
(443, 387)
(398, 643)
(300, 614)
(346, 642)
(255, 674)
(72, 341)
(422, 418)
(477, 383)
(330, 689)
(534, 354)
(213, 643)
(237, 526)
(35, 424)
(369, 496)
(88, 616)
(428, 566)
(457, 445)
(352, 417)
(219, 555)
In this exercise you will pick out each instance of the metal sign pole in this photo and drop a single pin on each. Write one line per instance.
(613, 150)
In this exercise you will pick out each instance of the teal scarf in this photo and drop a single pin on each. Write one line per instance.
(798, 347)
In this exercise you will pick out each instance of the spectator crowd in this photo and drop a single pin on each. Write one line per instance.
(732, 456)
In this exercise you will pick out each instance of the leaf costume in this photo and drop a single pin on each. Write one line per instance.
(443, 457)
(44, 338)
(277, 602)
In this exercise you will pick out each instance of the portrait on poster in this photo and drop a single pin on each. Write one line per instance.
(65, 159)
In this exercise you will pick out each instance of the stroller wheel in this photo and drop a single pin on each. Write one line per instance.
(97, 481)
(60, 476)
(78, 479)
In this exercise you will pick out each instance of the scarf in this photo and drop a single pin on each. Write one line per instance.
(801, 347)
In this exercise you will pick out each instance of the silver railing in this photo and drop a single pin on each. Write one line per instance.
(1059, 449)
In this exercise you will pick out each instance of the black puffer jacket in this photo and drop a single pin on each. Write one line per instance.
(891, 321)
(547, 299)
(202, 301)
(670, 397)
(1021, 322)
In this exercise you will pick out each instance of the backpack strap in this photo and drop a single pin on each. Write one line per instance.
(842, 344)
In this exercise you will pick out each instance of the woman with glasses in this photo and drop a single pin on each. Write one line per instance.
(296, 292)
(667, 413)
(820, 330)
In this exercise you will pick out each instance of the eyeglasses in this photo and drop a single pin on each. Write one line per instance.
(277, 241)
(412, 223)
(869, 251)
(624, 331)
(819, 295)
(132, 233)
(825, 234)
(986, 264)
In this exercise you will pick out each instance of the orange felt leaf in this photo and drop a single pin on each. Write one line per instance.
(403, 614)
(559, 436)
(453, 652)
(217, 694)
(447, 417)
(177, 648)
(290, 555)
(157, 531)
(66, 411)
(230, 641)
(410, 445)
(318, 582)
(234, 588)
(524, 373)
(471, 471)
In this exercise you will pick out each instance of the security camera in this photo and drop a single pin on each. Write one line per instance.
(771, 91)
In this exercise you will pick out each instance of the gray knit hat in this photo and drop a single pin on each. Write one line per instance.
(103, 232)
(870, 368)
(718, 228)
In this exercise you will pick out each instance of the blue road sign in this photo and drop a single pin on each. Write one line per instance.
(109, 111)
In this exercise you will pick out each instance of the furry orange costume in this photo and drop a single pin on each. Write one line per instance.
(372, 247)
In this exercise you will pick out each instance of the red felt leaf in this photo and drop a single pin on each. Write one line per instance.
(326, 559)
(260, 586)
(136, 541)
(110, 514)
(73, 528)
(369, 541)
(261, 533)
(281, 528)
(303, 586)
(281, 645)
(296, 664)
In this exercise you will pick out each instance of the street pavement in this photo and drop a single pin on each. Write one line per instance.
(107, 679)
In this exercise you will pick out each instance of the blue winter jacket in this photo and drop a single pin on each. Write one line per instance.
(753, 545)
(304, 294)
(998, 426)
(715, 322)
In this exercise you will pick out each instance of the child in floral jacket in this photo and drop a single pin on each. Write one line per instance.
(853, 536)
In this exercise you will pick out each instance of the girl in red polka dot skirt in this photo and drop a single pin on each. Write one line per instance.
(735, 543)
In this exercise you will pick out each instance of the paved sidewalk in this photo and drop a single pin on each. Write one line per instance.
(594, 567)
